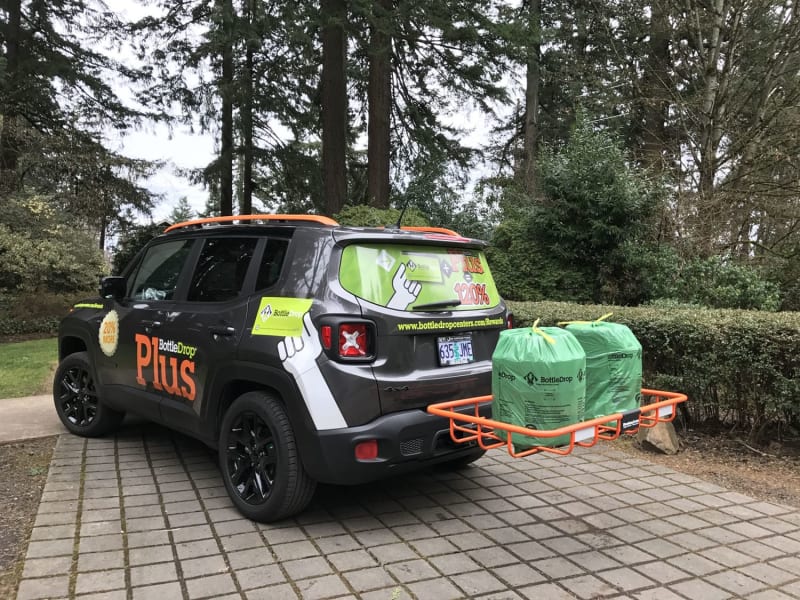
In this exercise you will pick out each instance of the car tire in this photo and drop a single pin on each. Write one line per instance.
(259, 460)
(463, 462)
(77, 402)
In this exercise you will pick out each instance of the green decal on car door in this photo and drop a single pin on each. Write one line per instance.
(281, 316)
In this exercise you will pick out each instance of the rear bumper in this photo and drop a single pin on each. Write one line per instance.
(407, 441)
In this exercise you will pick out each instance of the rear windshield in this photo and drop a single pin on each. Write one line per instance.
(406, 277)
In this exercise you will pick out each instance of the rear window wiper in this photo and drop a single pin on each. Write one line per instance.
(440, 304)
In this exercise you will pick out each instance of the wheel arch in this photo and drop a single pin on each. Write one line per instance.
(70, 344)
(231, 383)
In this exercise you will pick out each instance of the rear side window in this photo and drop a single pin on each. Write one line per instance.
(158, 273)
(221, 269)
(407, 277)
(271, 263)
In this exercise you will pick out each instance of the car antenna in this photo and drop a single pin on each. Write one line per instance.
(396, 226)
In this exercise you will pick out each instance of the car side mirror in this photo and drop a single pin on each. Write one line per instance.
(113, 287)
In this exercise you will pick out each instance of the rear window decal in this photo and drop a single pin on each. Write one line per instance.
(279, 316)
(403, 276)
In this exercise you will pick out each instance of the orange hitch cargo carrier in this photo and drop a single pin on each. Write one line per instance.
(469, 426)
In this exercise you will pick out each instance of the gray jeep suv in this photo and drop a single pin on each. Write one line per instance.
(302, 351)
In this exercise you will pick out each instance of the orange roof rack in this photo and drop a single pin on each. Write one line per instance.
(441, 230)
(317, 219)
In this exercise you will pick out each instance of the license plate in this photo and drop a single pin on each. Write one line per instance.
(456, 350)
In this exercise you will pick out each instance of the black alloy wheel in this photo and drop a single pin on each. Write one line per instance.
(252, 458)
(259, 459)
(78, 396)
(78, 403)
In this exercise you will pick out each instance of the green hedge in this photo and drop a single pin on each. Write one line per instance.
(738, 367)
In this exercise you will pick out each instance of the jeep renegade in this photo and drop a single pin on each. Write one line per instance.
(301, 350)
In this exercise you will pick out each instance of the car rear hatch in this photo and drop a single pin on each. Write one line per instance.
(436, 310)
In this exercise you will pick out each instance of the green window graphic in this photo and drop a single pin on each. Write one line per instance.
(408, 277)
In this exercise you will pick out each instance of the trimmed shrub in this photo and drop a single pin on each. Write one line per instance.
(738, 367)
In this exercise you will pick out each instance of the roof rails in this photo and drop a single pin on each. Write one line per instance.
(316, 219)
(441, 230)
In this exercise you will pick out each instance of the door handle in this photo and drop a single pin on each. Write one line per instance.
(221, 330)
(150, 325)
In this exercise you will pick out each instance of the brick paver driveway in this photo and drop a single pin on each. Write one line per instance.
(145, 515)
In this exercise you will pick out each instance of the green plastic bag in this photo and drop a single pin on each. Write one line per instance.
(613, 367)
(538, 382)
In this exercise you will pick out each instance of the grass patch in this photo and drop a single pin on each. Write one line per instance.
(25, 367)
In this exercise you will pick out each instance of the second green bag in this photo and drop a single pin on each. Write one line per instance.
(613, 367)
(538, 382)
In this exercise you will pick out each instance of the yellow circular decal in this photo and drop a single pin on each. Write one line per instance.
(109, 333)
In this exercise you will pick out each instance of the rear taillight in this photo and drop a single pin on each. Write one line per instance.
(326, 335)
(510, 321)
(367, 450)
(354, 340)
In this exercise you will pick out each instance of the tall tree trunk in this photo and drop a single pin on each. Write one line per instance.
(246, 203)
(532, 80)
(656, 91)
(710, 131)
(334, 105)
(379, 98)
(9, 150)
(226, 92)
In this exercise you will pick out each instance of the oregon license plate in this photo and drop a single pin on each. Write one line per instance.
(455, 350)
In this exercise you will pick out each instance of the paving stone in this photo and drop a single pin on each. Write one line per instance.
(551, 591)
(661, 572)
(294, 550)
(307, 567)
(376, 537)
(191, 533)
(100, 528)
(211, 586)
(100, 581)
(368, 579)
(588, 586)
(766, 573)
(781, 542)
(392, 553)
(518, 575)
(697, 588)
(45, 567)
(196, 549)
(727, 556)
(625, 578)
(317, 588)
(100, 561)
(557, 567)
(183, 520)
(695, 564)
(412, 570)
(258, 577)
(236, 527)
(431, 547)
(155, 573)
(528, 551)
(50, 548)
(339, 543)
(148, 538)
(273, 592)
(53, 532)
(48, 587)
(151, 523)
(565, 545)
(435, 589)
(395, 593)
(158, 592)
(206, 565)
(594, 561)
(241, 541)
(354, 559)
(659, 593)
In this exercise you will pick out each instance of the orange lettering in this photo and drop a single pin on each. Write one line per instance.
(143, 356)
(170, 388)
(156, 382)
(189, 389)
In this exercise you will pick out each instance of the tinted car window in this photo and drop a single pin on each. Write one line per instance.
(221, 269)
(159, 270)
(271, 263)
